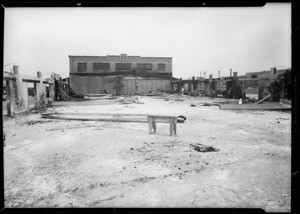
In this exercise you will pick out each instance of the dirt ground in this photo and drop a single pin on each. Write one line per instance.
(61, 163)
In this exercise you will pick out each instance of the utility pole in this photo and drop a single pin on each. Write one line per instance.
(136, 85)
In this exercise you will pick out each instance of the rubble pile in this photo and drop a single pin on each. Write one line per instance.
(202, 148)
(129, 100)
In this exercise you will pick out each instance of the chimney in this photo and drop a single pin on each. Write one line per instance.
(39, 74)
(16, 69)
(193, 78)
(273, 70)
(230, 72)
(235, 75)
(210, 77)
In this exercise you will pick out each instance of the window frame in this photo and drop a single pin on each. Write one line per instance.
(101, 65)
(78, 67)
(144, 66)
(160, 64)
(123, 69)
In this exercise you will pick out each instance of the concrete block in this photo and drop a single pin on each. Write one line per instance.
(38, 87)
(23, 101)
(10, 96)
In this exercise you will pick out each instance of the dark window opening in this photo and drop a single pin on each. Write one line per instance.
(123, 66)
(31, 91)
(82, 67)
(253, 76)
(30, 87)
(101, 66)
(47, 91)
(161, 67)
(144, 66)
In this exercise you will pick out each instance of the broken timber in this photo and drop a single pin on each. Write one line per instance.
(285, 103)
(113, 117)
(263, 99)
(119, 117)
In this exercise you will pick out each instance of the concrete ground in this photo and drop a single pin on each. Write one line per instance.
(60, 163)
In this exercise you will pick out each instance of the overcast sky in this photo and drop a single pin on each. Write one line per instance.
(198, 39)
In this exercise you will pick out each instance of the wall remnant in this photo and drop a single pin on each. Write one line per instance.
(17, 91)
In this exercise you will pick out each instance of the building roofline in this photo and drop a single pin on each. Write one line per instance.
(119, 56)
(287, 69)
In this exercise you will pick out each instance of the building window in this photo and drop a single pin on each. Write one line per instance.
(253, 76)
(123, 66)
(82, 67)
(144, 66)
(161, 67)
(101, 66)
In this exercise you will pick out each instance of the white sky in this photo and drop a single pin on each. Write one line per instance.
(198, 39)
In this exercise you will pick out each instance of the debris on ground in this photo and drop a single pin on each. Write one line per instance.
(193, 105)
(150, 94)
(249, 100)
(285, 102)
(33, 122)
(98, 97)
(181, 119)
(130, 100)
(211, 104)
(202, 148)
(36, 110)
(164, 91)
(174, 97)
(74, 94)
(263, 99)
(226, 101)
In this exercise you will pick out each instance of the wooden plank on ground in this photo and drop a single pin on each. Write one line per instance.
(118, 117)
(264, 99)
(254, 106)
(84, 117)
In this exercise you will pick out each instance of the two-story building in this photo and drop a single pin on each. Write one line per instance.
(120, 74)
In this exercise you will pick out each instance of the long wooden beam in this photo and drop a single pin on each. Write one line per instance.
(26, 78)
(112, 117)
(264, 106)
(71, 114)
